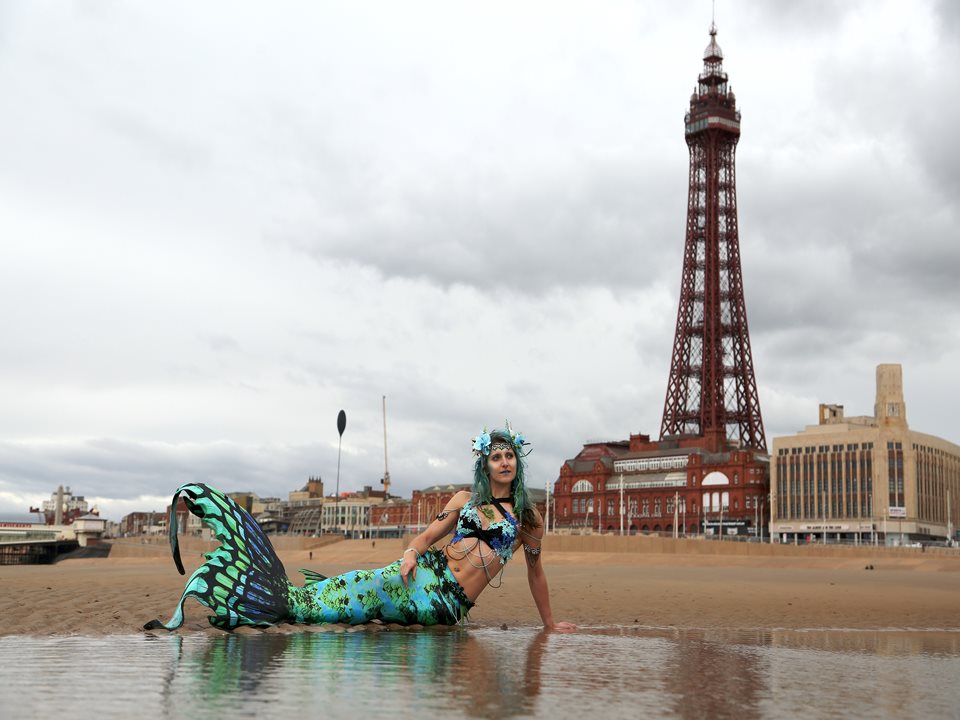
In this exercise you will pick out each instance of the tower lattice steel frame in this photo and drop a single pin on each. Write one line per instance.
(712, 390)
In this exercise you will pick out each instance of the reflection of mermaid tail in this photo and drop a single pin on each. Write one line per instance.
(243, 580)
(244, 583)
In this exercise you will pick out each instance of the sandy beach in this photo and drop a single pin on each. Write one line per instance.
(643, 587)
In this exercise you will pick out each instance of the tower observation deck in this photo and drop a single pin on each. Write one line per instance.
(712, 390)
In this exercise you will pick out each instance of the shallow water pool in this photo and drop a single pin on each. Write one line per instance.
(599, 672)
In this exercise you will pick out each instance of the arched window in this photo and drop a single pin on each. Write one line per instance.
(581, 486)
(716, 478)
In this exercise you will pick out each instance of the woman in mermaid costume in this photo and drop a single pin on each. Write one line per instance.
(244, 582)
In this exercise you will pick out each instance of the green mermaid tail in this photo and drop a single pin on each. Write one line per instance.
(434, 597)
(243, 580)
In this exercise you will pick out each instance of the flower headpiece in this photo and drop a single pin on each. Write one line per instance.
(483, 444)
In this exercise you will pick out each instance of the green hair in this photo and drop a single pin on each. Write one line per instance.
(523, 507)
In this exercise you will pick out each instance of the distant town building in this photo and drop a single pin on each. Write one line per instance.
(64, 503)
(141, 523)
(363, 513)
(427, 503)
(89, 529)
(867, 479)
(313, 490)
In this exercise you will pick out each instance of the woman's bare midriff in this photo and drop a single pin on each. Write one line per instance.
(472, 579)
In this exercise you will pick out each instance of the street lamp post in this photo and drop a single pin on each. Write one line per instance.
(761, 520)
(676, 513)
(949, 522)
(546, 507)
(341, 426)
(824, 512)
(621, 504)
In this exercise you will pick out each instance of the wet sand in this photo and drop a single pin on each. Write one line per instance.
(117, 594)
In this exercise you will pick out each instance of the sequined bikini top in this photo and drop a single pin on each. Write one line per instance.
(500, 535)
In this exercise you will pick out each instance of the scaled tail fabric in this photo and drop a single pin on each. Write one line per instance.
(244, 582)
(434, 597)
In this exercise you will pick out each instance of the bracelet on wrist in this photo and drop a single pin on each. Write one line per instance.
(412, 549)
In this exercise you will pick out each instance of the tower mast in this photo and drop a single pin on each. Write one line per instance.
(386, 469)
(712, 390)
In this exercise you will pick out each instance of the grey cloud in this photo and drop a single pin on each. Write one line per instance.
(800, 17)
(222, 343)
(593, 225)
(124, 469)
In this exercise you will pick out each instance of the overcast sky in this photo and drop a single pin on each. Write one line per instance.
(222, 222)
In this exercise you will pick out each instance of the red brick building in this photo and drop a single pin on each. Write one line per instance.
(673, 486)
(139, 523)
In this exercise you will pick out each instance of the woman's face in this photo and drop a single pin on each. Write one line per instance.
(502, 465)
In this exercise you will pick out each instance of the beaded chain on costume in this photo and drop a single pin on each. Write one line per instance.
(465, 555)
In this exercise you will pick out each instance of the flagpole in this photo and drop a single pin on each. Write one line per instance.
(621, 504)
(546, 520)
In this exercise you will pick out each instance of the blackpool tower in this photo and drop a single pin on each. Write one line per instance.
(709, 473)
(712, 391)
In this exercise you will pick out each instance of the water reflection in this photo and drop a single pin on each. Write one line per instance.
(484, 672)
(479, 674)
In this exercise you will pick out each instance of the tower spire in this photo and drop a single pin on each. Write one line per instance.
(712, 391)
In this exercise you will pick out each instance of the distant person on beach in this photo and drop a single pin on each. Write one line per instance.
(244, 582)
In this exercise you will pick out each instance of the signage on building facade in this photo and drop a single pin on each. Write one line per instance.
(726, 523)
(896, 512)
(822, 528)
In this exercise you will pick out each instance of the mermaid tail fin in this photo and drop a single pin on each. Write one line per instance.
(243, 580)
(311, 577)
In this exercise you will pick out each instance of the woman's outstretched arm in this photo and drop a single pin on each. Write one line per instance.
(532, 540)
